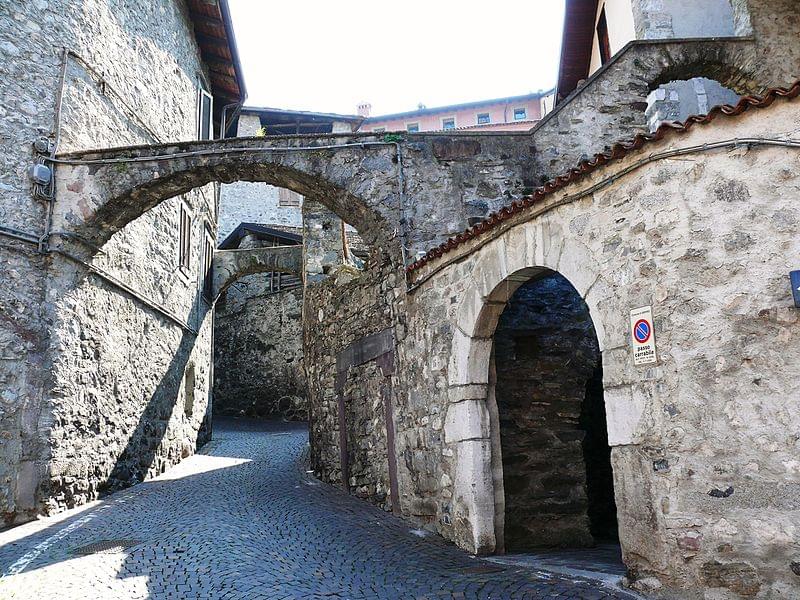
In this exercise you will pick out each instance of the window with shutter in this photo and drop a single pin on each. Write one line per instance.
(184, 237)
(208, 257)
(288, 198)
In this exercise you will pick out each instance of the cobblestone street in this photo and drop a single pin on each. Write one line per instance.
(244, 519)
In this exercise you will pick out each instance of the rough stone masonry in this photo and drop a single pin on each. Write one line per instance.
(404, 408)
(98, 387)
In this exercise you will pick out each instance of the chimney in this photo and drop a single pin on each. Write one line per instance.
(364, 109)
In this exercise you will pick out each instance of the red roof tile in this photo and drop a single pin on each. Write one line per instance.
(617, 152)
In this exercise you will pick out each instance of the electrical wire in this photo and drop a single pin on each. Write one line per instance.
(109, 278)
(213, 152)
(496, 232)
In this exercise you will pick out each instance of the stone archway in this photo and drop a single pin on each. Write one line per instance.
(546, 390)
(97, 194)
(472, 420)
(231, 265)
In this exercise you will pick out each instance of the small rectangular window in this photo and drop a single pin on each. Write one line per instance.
(412, 128)
(208, 257)
(205, 115)
(184, 237)
(379, 130)
(602, 37)
(449, 123)
(483, 118)
(288, 198)
(520, 114)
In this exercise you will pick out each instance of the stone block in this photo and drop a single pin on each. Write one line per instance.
(466, 420)
(469, 360)
(624, 411)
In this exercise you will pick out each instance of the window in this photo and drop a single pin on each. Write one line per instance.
(484, 118)
(412, 127)
(184, 238)
(379, 130)
(449, 123)
(602, 37)
(520, 114)
(288, 198)
(205, 115)
(208, 257)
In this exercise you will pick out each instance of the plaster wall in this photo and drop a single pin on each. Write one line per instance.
(621, 30)
(659, 19)
(499, 113)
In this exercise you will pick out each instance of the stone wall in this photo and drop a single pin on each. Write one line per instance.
(245, 202)
(350, 383)
(610, 106)
(703, 452)
(258, 356)
(659, 19)
(77, 417)
(545, 355)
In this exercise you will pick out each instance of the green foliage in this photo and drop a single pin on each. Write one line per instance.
(393, 137)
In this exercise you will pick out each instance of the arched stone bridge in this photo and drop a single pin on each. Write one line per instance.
(230, 265)
(423, 187)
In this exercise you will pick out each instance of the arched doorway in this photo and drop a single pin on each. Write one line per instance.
(550, 429)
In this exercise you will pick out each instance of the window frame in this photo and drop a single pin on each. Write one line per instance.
(488, 120)
(209, 244)
(524, 116)
(184, 239)
(603, 40)
(448, 118)
(412, 124)
(202, 95)
(379, 130)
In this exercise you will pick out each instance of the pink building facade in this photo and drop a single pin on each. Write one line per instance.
(515, 113)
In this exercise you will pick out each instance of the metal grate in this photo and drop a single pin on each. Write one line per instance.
(105, 547)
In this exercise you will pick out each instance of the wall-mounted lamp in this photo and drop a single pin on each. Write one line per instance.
(794, 276)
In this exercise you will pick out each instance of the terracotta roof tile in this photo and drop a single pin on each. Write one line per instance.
(617, 152)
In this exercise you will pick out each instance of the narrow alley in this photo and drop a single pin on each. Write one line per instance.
(244, 519)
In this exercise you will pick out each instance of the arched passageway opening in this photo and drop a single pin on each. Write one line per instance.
(258, 330)
(547, 382)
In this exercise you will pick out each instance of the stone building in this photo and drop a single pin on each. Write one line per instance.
(457, 378)
(106, 347)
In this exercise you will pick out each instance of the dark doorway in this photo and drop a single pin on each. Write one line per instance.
(557, 475)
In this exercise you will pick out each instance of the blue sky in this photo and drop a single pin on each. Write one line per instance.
(328, 56)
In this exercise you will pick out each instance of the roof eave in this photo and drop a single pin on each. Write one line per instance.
(237, 64)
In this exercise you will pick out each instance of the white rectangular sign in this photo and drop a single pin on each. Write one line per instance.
(643, 336)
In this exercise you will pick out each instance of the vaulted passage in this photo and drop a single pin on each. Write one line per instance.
(557, 473)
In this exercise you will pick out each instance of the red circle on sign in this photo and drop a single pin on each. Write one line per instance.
(648, 330)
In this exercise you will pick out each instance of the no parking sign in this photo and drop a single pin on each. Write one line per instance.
(644, 339)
